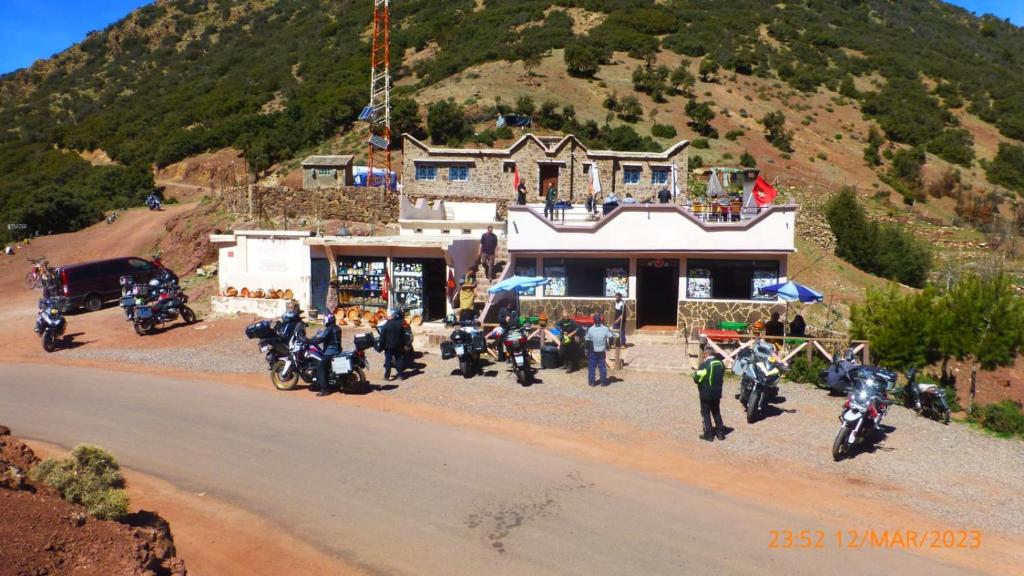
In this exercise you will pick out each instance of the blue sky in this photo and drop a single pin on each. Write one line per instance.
(33, 29)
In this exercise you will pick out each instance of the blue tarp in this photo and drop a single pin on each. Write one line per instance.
(359, 176)
(518, 283)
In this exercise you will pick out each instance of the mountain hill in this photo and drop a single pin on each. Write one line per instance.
(863, 92)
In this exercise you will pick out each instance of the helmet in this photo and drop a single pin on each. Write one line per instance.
(154, 283)
(764, 348)
(289, 316)
(850, 356)
(329, 320)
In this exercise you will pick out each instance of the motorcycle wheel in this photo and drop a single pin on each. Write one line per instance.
(752, 402)
(357, 381)
(839, 444)
(188, 315)
(466, 366)
(144, 327)
(945, 416)
(278, 380)
(523, 376)
(49, 344)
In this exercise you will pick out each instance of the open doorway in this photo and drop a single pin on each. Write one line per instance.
(657, 293)
(548, 177)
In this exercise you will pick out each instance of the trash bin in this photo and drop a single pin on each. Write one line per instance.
(549, 357)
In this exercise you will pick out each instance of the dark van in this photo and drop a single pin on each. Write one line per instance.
(90, 284)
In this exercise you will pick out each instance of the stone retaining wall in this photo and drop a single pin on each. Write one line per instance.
(695, 314)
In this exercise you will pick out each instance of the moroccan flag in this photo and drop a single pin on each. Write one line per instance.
(452, 287)
(385, 287)
(515, 181)
(764, 194)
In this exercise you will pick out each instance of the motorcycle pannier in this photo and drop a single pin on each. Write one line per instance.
(363, 341)
(479, 344)
(447, 350)
(260, 329)
(342, 364)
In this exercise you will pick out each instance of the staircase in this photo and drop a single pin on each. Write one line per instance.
(502, 271)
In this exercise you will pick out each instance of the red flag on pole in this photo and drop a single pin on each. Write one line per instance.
(385, 286)
(515, 180)
(764, 194)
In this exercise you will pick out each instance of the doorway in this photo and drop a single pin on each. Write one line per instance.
(319, 280)
(435, 277)
(657, 293)
(548, 177)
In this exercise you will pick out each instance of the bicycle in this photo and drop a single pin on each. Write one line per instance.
(40, 273)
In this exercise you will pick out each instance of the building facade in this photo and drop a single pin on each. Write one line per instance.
(488, 173)
(676, 271)
(327, 172)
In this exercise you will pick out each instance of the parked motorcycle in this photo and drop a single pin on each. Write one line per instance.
(467, 344)
(163, 303)
(925, 398)
(759, 370)
(154, 202)
(50, 323)
(864, 409)
(518, 354)
(290, 360)
(836, 378)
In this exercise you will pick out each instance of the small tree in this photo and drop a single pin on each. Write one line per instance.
(681, 80)
(405, 118)
(775, 125)
(525, 106)
(708, 69)
(630, 109)
(446, 123)
(530, 62)
(584, 59)
(747, 160)
(701, 114)
(875, 141)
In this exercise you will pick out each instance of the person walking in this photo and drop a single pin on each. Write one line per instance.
(329, 340)
(488, 245)
(620, 319)
(709, 377)
(392, 336)
(598, 339)
(570, 348)
(549, 202)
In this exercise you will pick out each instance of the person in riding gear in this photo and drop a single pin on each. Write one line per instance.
(329, 340)
(392, 336)
(709, 377)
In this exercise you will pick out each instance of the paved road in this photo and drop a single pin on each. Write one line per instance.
(402, 496)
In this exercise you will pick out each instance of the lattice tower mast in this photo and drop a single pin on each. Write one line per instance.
(378, 113)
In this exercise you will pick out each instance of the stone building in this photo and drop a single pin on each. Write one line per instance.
(326, 172)
(487, 173)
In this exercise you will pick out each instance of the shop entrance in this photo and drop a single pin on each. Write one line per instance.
(418, 284)
(657, 292)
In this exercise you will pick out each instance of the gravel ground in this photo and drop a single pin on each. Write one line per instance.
(955, 473)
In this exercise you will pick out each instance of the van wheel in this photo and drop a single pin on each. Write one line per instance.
(93, 302)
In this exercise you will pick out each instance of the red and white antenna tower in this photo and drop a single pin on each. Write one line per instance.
(378, 112)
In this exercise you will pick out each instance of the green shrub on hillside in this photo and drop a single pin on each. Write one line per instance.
(1007, 168)
(663, 131)
(1005, 418)
(955, 146)
(447, 124)
(91, 477)
(885, 250)
(804, 372)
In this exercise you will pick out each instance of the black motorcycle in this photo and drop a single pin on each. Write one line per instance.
(348, 368)
(161, 305)
(292, 359)
(865, 407)
(836, 378)
(467, 344)
(50, 323)
(519, 355)
(925, 398)
(759, 371)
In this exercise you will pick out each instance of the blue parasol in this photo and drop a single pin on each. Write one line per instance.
(791, 292)
(517, 283)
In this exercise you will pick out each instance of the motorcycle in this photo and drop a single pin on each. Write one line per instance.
(153, 202)
(50, 323)
(925, 398)
(759, 371)
(466, 343)
(163, 304)
(290, 360)
(836, 378)
(865, 408)
(518, 355)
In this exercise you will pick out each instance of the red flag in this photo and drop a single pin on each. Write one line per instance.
(515, 180)
(385, 287)
(452, 287)
(764, 194)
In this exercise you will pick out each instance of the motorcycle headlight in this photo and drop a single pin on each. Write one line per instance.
(265, 348)
(54, 311)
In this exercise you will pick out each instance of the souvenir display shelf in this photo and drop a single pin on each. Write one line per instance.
(407, 285)
(360, 281)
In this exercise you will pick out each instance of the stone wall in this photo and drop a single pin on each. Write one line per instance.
(695, 314)
(352, 203)
(555, 308)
